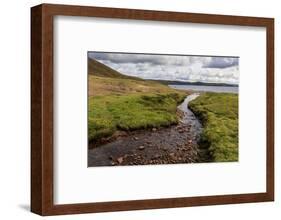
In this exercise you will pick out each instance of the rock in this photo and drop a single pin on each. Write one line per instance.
(190, 141)
(113, 164)
(172, 156)
(118, 134)
(154, 129)
(156, 156)
(141, 147)
(136, 138)
(120, 160)
(110, 158)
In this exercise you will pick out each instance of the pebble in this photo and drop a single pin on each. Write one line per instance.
(141, 147)
(120, 160)
(156, 156)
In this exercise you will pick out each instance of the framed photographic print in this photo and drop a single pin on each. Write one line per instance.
(138, 109)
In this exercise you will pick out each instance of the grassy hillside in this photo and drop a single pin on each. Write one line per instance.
(98, 69)
(118, 102)
(120, 86)
(219, 114)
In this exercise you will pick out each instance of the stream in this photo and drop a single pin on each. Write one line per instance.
(169, 145)
(189, 117)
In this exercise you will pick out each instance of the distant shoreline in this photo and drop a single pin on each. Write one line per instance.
(171, 82)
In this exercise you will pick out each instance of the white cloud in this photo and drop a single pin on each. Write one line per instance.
(172, 67)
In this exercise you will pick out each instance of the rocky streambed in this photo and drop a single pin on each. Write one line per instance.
(171, 145)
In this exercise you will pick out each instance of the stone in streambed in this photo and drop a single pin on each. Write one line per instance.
(120, 160)
(141, 147)
(172, 155)
(156, 156)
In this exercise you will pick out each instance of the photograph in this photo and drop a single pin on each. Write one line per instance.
(173, 109)
(162, 109)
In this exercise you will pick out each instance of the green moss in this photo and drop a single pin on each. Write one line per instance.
(219, 115)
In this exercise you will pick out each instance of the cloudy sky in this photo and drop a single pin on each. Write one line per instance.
(172, 67)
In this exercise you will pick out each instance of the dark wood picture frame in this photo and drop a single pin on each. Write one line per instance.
(42, 109)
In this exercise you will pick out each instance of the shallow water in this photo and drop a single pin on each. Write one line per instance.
(189, 117)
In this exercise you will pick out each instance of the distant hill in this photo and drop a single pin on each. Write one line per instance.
(171, 82)
(99, 69)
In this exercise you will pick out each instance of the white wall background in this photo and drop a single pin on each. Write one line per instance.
(15, 110)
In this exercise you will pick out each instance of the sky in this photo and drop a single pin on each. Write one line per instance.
(208, 69)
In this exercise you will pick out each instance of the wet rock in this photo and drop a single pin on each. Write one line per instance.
(136, 138)
(182, 130)
(172, 155)
(141, 147)
(118, 134)
(156, 156)
(190, 141)
(154, 129)
(120, 160)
